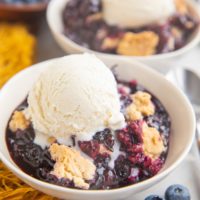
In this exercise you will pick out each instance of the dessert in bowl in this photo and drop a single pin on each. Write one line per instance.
(80, 133)
(125, 28)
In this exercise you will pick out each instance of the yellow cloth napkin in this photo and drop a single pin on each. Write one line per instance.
(12, 188)
(17, 49)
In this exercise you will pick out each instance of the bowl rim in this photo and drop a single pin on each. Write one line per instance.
(78, 48)
(16, 170)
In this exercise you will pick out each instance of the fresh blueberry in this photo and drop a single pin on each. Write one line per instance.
(153, 197)
(177, 192)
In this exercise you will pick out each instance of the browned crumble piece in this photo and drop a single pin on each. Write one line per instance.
(93, 18)
(110, 43)
(18, 121)
(181, 6)
(143, 103)
(152, 142)
(138, 44)
(141, 106)
(72, 165)
(133, 113)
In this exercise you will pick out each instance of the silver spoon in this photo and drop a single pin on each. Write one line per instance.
(189, 82)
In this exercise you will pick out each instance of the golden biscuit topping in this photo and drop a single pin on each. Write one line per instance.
(51, 140)
(71, 165)
(18, 121)
(132, 113)
(138, 44)
(181, 6)
(152, 142)
(103, 150)
(141, 106)
(143, 103)
(110, 43)
(94, 17)
(177, 33)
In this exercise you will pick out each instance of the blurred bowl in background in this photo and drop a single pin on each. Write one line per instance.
(55, 22)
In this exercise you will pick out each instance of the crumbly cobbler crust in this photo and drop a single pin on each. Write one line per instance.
(152, 142)
(71, 165)
(141, 106)
(138, 44)
(110, 43)
(132, 113)
(142, 100)
(181, 6)
(18, 121)
(93, 18)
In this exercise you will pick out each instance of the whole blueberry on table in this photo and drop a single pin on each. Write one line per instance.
(153, 197)
(177, 192)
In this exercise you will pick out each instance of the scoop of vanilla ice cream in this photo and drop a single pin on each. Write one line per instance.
(76, 95)
(136, 13)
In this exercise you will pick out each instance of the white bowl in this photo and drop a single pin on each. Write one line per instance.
(177, 105)
(55, 22)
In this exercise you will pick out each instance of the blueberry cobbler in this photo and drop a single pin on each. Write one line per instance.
(130, 27)
(130, 147)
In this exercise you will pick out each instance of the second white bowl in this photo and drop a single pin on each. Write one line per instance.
(55, 22)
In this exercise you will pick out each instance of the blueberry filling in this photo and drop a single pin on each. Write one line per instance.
(78, 26)
(131, 165)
